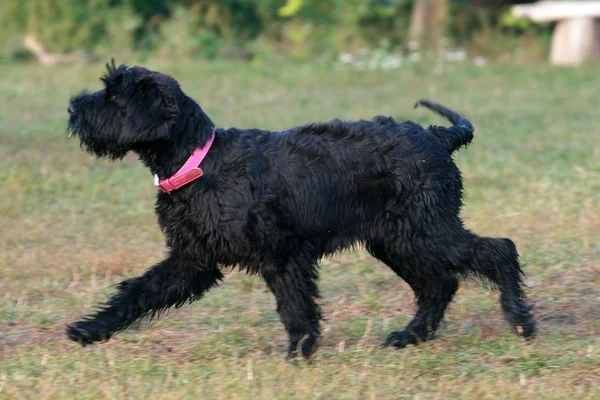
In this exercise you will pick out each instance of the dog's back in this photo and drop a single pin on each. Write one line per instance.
(338, 182)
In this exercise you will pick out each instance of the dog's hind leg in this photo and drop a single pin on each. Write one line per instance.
(497, 260)
(294, 286)
(171, 283)
(433, 278)
(434, 291)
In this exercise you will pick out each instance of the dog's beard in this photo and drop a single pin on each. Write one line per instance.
(103, 149)
(103, 144)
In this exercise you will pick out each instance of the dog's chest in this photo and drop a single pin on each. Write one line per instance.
(194, 226)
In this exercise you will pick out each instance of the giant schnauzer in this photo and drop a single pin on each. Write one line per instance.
(274, 203)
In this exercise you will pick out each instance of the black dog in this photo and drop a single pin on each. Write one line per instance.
(274, 203)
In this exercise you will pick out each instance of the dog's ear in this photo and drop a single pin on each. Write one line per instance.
(153, 111)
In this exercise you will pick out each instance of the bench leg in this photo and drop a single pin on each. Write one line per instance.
(575, 41)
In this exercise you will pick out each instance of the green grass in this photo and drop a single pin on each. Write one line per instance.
(71, 226)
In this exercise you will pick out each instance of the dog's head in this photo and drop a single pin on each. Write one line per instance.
(136, 108)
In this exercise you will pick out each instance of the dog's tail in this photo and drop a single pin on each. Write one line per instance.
(460, 134)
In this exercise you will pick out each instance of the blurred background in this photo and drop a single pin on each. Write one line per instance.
(526, 75)
(263, 31)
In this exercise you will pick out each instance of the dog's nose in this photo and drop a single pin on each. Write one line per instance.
(71, 108)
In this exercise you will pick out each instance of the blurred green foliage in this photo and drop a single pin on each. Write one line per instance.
(299, 29)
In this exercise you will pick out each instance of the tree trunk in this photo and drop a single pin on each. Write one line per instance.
(428, 23)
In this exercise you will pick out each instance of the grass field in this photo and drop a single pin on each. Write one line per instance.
(71, 226)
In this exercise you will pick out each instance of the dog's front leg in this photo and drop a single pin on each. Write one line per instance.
(295, 288)
(172, 282)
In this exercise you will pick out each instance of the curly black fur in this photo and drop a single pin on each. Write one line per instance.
(274, 203)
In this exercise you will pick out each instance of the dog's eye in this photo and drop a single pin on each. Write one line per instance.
(113, 97)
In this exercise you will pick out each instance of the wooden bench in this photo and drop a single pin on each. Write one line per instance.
(576, 36)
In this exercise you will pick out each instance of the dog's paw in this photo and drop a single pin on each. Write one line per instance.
(399, 339)
(309, 345)
(522, 321)
(81, 333)
(527, 331)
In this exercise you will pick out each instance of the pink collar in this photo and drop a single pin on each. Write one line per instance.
(189, 172)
